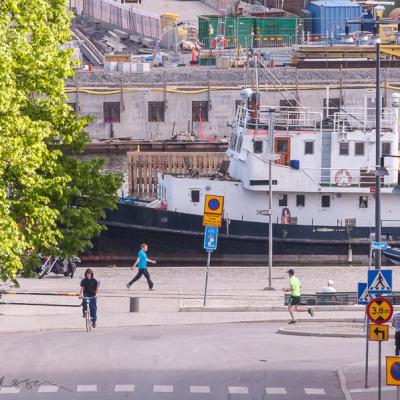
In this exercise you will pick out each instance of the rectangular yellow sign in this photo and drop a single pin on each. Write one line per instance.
(213, 204)
(393, 371)
(212, 220)
(378, 333)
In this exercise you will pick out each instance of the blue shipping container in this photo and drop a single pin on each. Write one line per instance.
(329, 16)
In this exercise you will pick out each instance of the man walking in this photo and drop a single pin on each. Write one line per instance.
(396, 325)
(141, 263)
(295, 293)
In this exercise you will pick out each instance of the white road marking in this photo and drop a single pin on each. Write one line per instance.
(9, 390)
(199, 389)
(314, 391)
(275, 390)
(163, 388)
(48, 389)
(86, 388)
(238, 390)
(124, 388)
(373, 389)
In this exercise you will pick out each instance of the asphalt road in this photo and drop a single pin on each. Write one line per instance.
(227, 361)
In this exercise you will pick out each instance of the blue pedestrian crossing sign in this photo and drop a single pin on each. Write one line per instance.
(363, 296)
(379, 281)
(380, 246)
(210, 238)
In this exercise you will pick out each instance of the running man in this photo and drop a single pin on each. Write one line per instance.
(396, 325)
(141, 263)
(89, 288)
(295, 293)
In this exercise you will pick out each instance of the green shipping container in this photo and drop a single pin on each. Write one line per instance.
(240, 29)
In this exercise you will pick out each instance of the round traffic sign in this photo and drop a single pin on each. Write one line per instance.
(213, 204)
(379, 310)
(395, 371)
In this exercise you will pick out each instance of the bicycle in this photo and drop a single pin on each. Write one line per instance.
(88, 318)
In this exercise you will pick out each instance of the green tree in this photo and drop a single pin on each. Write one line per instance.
(49, 199)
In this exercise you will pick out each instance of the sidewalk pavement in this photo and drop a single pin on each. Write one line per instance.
(234, 295)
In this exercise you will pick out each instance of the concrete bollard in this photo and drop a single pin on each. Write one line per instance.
(134, 304)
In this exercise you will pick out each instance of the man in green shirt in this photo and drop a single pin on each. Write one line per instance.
(295, 293)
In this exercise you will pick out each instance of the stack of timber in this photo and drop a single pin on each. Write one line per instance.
(143, 168)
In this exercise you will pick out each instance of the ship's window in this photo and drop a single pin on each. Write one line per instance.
(200, 111)
(156, 111)
(309, 148)
(300, 200)
(233, 141)
(195, 195)
(359, 149)
(281, 146)
(344, 148)
(258, 147)
(239, 144)
(325, 201)
(363, 202)
(334, 107)
(73, 106)
(112, 111)
(386, 149)
(283, 200)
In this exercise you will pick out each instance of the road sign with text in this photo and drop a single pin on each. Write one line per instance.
(380, 281)
(213, 210)
(379, 333)
(379, 310)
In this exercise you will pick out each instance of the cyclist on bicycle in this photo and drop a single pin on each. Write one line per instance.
(89, 289)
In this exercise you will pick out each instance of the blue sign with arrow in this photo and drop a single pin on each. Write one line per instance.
(210, 238)
(379, 281)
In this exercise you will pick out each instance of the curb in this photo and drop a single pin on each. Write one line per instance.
(265, 309)
(284, 331)
(343, 384)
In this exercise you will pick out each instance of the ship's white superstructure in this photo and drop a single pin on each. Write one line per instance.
(323, 171)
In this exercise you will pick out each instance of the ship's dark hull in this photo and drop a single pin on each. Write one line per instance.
(178, 238)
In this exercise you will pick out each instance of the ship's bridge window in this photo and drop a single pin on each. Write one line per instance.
(233, 141)
(344, 148)
(300, 200)
(258, 146)
(363, 202)
(325, 201)
(239, 144)
(309, 148)
(195, 195)
(359, 149)
(386, 148)
(283, 200)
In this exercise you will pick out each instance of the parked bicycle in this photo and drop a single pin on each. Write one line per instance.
(58, 265)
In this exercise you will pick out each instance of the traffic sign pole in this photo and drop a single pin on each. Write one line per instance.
(379, 371)
(205, 288)
(366, 354)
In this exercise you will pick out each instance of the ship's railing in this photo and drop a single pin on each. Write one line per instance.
(361, 119)
(284, 118)
(349, 177)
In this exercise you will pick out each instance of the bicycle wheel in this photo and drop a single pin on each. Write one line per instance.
(88, 321)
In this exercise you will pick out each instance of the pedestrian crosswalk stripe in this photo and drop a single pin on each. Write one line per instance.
(238, 390)
(48, 389)
(275, 390)
(163, 388)
(86, 388)
(199, 389)
(314, 391)
(10, 390)
(124, 388)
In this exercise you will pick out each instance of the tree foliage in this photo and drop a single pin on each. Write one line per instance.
(50, 201)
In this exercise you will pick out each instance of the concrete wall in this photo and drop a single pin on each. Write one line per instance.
(134, 115)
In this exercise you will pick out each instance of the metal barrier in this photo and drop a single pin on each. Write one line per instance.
(14, 292)
(338, 299)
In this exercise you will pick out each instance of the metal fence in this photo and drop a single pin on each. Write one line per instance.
(121, 15)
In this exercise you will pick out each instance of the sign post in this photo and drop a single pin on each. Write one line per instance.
(379, 311)
(212, 220)
(393, 373)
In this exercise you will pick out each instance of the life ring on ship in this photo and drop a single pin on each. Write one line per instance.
(285, 216)
(343, 178)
